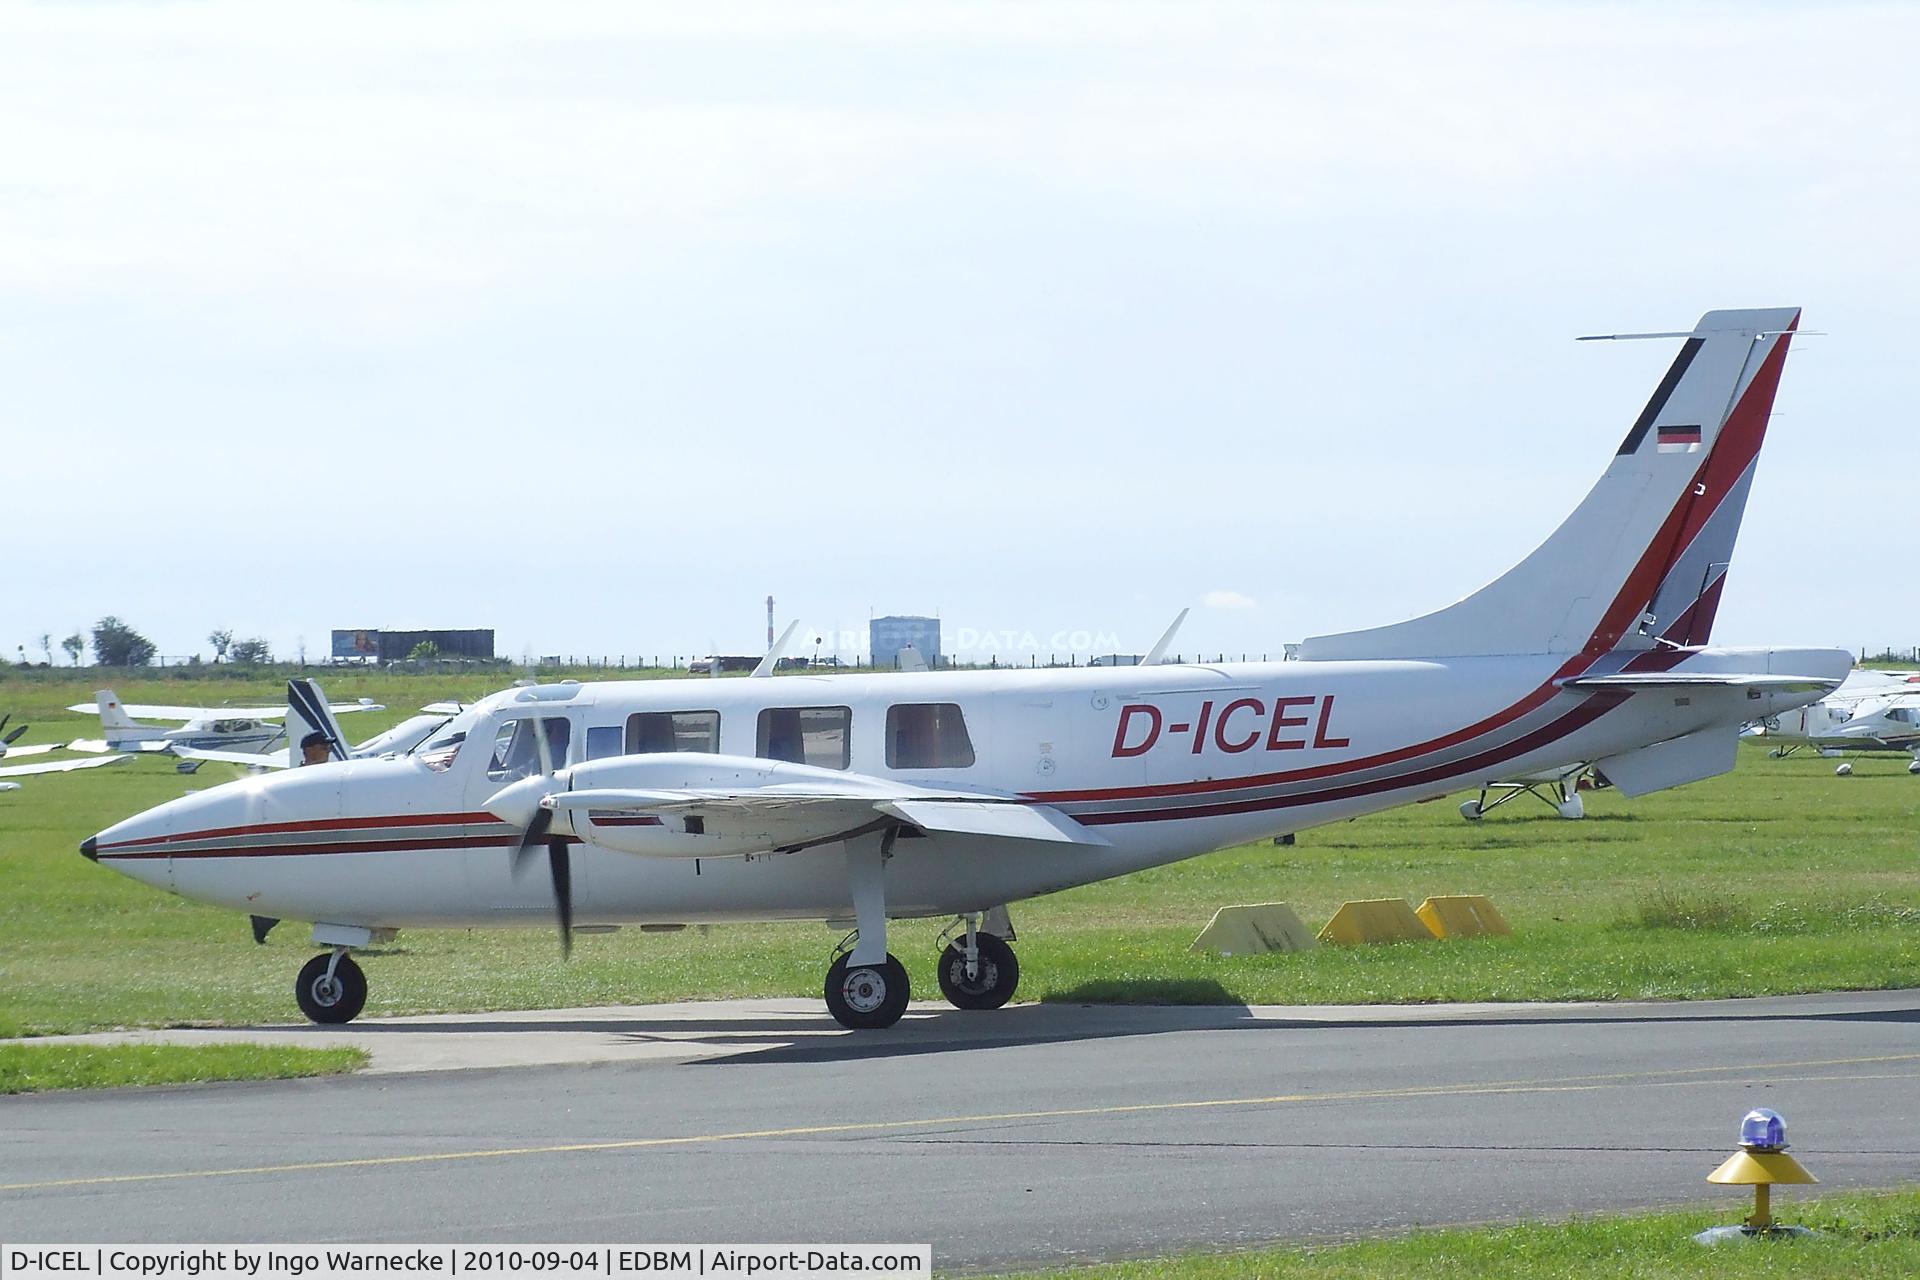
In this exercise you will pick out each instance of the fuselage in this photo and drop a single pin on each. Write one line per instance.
(1166, 762)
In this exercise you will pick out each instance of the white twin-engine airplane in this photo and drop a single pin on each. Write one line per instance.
(864, 798)
(207, 730)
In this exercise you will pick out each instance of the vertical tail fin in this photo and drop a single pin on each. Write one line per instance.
(1641, 560)
(112, 714)
(308, 712)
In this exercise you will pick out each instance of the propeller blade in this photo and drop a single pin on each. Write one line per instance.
(561, 865)
(13, 737)
(535, 832)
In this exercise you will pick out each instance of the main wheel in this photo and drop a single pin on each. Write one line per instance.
(330, 1000)
(869, 997)
(1471, 811)
(994, 980)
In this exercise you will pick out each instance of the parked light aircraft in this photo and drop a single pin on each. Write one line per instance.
(309, 712)
(1558, 788)
(1871, 711)
(10, 748)
(204, 728)
(860, 798)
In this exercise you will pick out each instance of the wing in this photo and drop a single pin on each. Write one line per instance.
(59, 766)
(155, 711)
(690, 806)
(36, 749)
(445, 708)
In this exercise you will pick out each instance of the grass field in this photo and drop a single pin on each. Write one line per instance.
(1865, 1236)
(30, 1068)
(1779, 877)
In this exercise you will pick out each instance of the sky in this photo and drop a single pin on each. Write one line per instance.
(598, 323)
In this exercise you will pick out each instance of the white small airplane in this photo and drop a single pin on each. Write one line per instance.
(203, 729)
(1871, 711)
(862, 798)
(10, 748)
(308, 715)
(1559, 789)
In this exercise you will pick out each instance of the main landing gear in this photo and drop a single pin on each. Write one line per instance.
(867, 987)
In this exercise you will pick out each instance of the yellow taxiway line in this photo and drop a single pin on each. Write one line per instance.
(1561, 1084)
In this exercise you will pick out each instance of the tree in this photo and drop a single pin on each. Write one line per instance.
(425, 651)
(221, 640)
(250, 653)
(75, 645)
(46, 647)
(115, 644)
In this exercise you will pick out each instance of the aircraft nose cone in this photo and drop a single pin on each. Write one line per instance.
(89, 848)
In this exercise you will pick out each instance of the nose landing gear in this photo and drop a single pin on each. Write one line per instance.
(331, 988)
(988, 982)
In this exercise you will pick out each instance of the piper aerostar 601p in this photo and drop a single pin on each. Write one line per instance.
(860, 798)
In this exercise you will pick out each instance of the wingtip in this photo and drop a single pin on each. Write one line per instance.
(90, 849)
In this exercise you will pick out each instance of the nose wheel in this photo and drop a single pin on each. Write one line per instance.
(867, 997)
(995, 973)
(331, 988)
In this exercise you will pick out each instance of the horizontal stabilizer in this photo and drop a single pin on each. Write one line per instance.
(1675, 762)
(98, 745)
(1703, 680)
(252, 759)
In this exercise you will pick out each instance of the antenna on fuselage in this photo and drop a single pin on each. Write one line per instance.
(778, 648)
(1159, 649)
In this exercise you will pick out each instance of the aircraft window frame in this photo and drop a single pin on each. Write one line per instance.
(439, 749)
(682, 732)
(526, 745)
(764, 737)
(940, 741)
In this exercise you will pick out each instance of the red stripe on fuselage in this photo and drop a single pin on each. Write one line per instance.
(419, 845)
(317, 824)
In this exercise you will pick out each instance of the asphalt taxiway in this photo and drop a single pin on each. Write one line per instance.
(1036, 1134)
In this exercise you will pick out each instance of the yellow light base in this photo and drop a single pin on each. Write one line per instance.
(1759, 1169)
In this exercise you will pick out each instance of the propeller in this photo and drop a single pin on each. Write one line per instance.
(559, 864)
(13, 737)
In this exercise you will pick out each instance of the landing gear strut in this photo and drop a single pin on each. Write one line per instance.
(867, 988)
(331, 988)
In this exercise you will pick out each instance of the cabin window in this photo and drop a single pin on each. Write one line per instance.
(604, 740)
(927, 735)
(653, 731)
(817, 736)
(530, 745)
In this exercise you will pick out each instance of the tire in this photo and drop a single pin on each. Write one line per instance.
(868, 998)
(331, 1002)
(999, 974)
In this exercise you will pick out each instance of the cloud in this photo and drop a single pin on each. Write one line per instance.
(1226, 600)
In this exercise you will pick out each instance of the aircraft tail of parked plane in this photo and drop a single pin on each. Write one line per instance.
(307, 712)
(1640, 563)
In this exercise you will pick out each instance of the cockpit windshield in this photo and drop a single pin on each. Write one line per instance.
(443, 744)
